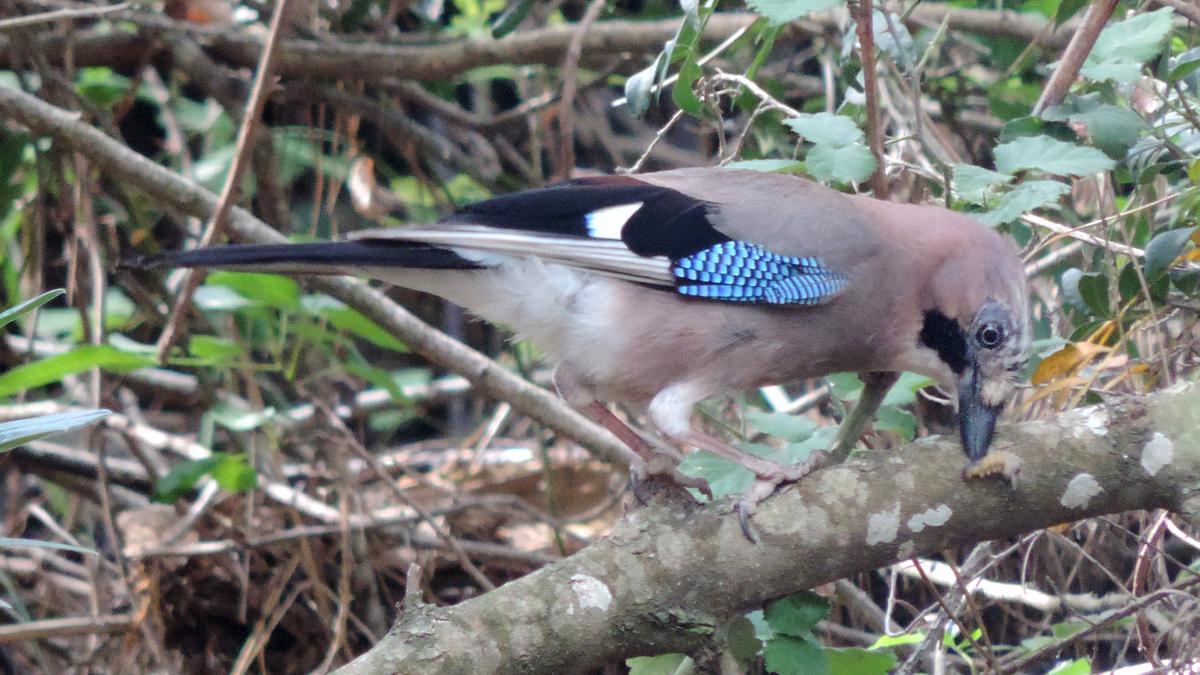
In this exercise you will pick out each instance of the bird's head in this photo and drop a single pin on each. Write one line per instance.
(980, 330)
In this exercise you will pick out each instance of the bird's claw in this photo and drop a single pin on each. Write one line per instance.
(767, 482)
(662, 469)
(996, 463)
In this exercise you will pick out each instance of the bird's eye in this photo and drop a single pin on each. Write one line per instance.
(989, 336)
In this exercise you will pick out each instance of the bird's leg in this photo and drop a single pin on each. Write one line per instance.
(654, 462)
(768, 475)
(875, 389)
(650, 462)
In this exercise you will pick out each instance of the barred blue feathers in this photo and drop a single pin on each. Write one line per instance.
(735, 271)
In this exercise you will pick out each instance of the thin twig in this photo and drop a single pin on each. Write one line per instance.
(566, 107)
(66, 14)
(241, 159)
(1074, 55)
(866, 53)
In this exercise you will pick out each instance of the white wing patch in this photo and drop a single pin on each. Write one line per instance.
(475, 242)
(608, 222)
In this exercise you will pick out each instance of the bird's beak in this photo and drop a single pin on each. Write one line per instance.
(976, 419)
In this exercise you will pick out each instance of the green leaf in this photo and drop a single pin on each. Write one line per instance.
(1164, 248)
(898, 421)
(975, 183)
(724, 476)
(1076, 667)
(796, 614)
(1067, 9)
(1093, 289)
(741, 642)
(663, 664)
(785, 11)
(78, 360)
(826, 128)
(13, 313)
(768, 165)
(351, 321)
(859, 662)
(1025, 197)
(682, 93)
(271, 290)
(793, 428)
(20, 432)
(889, 641)
(790, 656)
(638, 88)
(182, 478)
(851, 163)
(1123, 46)
(219, 299)
(511, 17)
(234, 418)
(1184, 65)
(1045, 154)
(233, 474)
(1111, 128)
(214, 349)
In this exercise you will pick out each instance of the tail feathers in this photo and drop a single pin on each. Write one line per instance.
(335, 257)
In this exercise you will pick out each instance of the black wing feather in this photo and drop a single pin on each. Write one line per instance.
(669, 223)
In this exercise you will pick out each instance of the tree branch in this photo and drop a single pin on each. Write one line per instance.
(670, 574)
(445, 59)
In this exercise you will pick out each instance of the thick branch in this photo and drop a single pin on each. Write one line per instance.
(446, 59)
(178, 194)
(669, 574)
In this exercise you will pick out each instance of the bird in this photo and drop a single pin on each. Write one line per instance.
(660, 290)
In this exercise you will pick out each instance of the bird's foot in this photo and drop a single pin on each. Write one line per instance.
(996, 463)
(662, 471)
(768, 479)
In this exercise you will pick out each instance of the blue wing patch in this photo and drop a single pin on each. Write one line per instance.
(735, 271)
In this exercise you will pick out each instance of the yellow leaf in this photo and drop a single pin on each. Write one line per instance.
(1065, 361)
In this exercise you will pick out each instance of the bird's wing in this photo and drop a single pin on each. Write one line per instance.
(632, 229)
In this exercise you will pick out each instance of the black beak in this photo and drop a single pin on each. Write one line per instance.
(976, 419)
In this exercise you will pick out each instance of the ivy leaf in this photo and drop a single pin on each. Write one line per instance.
(844, 164)
(1025, 197)
(1124, 46)
(974, 183)
(826, 128)
(1164, 248)
(796, 614)
(1045, 154)
(1111, 128)
(779, 12)
(790, 656)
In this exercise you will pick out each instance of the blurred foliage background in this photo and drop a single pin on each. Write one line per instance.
(268, 476)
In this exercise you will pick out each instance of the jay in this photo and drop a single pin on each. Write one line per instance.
(663, 289)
